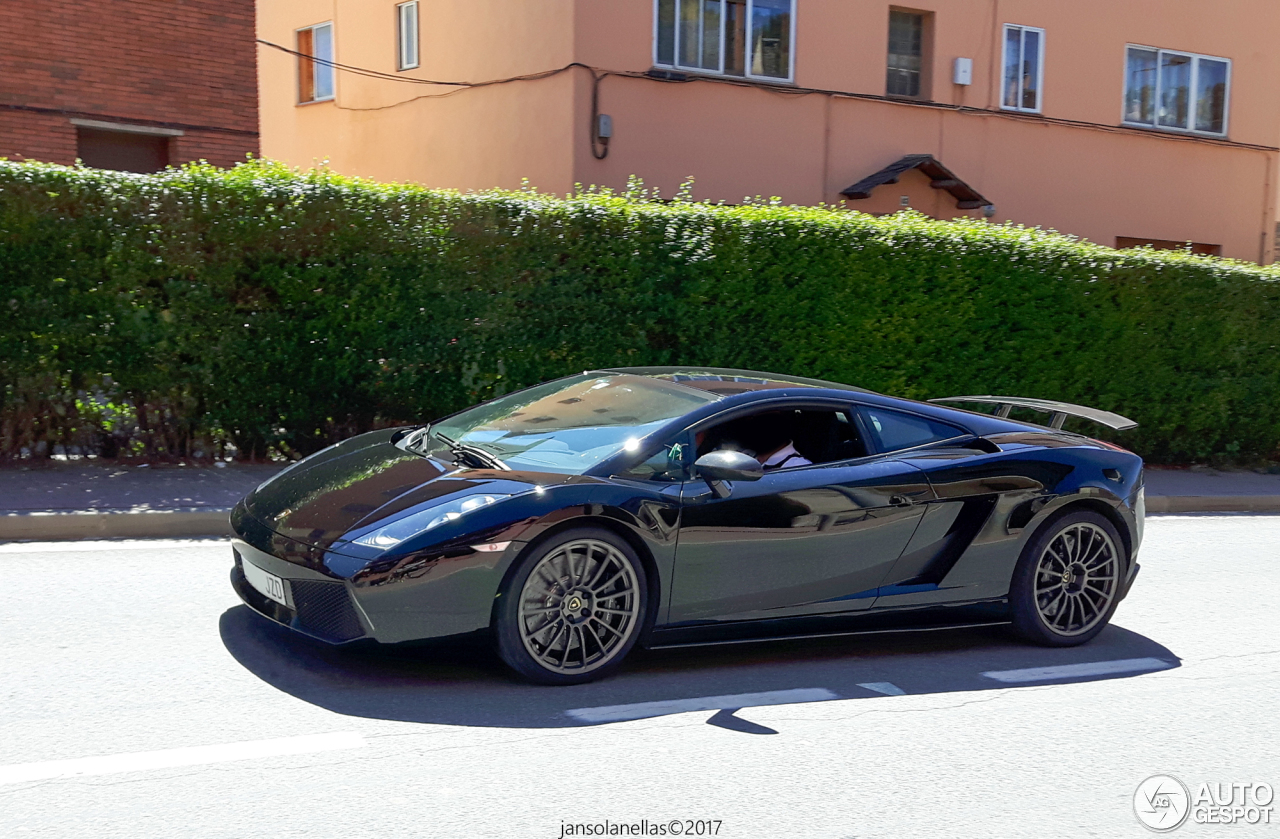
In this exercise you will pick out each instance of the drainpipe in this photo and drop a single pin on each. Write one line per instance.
(993, 60)
(1268, 209)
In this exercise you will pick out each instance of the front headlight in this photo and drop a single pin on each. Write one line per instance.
(420, 522)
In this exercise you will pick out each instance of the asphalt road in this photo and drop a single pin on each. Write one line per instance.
(137, 699)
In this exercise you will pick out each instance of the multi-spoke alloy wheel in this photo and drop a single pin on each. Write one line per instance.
(577, 609)
(1064, 589)
(1076, 578)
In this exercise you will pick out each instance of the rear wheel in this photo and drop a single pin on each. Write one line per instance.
(573, 609)
(1065, 586)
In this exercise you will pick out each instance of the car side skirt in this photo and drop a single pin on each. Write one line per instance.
(952, 616)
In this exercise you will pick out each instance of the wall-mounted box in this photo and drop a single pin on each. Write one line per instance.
(962, 71)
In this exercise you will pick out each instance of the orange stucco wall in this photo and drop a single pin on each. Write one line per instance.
(403, 131)
(1089, 177)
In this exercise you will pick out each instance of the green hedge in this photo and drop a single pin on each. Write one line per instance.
(278, 311)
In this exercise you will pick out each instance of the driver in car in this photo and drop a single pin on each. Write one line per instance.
(765, 437)
(784, 456)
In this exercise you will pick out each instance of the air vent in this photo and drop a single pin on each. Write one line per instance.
(325, 609)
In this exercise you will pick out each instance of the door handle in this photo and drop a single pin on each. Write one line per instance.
(900, 501)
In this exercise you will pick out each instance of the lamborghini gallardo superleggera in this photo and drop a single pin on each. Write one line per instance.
(677, 506)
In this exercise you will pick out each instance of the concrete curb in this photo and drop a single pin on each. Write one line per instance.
(204, 521)
(1213, 504)
(114, 524)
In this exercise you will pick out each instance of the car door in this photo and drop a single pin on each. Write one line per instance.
(804, 541)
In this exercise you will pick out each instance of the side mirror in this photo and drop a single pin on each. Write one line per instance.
(715, 467)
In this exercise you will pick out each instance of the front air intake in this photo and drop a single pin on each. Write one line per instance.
(325, 609)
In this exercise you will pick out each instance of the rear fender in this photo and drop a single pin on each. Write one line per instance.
(1099, 500)
(1031, 485)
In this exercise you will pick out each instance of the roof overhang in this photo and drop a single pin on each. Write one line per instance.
(940, 177)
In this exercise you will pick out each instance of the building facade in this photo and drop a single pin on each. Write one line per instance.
(1148, 122)
(128, 84)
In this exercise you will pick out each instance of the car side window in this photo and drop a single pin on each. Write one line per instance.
(784, 438)
(894, 430)
(667, 465)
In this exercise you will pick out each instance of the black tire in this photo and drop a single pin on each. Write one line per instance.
(1067, 582)
(573, 609)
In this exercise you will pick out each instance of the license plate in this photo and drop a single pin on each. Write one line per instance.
(269, 584)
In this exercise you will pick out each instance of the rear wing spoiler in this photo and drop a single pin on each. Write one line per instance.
(1058, 411)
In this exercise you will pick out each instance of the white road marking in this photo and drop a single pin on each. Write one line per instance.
(168, 758)
(641, 710)
(887, 688)
(1076, 671)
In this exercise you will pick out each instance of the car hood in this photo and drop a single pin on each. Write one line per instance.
(362, 481)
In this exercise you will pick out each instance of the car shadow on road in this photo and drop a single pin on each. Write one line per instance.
(464, 683)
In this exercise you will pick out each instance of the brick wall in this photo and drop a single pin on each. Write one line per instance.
(183, 64)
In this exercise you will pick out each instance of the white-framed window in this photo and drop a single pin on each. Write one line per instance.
(752, 39)
(1023, 68)
(315, 63)
(1176, 91)
(407, 35)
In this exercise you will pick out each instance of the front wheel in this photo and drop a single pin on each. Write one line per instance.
(1066, 583)
(573, 609)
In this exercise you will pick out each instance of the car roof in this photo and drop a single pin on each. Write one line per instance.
(738, 386)
(727, 381)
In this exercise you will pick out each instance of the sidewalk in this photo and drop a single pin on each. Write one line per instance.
(72, 501)
(1211, 491)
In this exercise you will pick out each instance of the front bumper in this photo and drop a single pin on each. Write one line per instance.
(1128, 581)
(316, 606)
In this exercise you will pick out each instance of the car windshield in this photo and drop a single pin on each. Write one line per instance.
(572, 424)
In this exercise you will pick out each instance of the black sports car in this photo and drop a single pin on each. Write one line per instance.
(673, 506)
